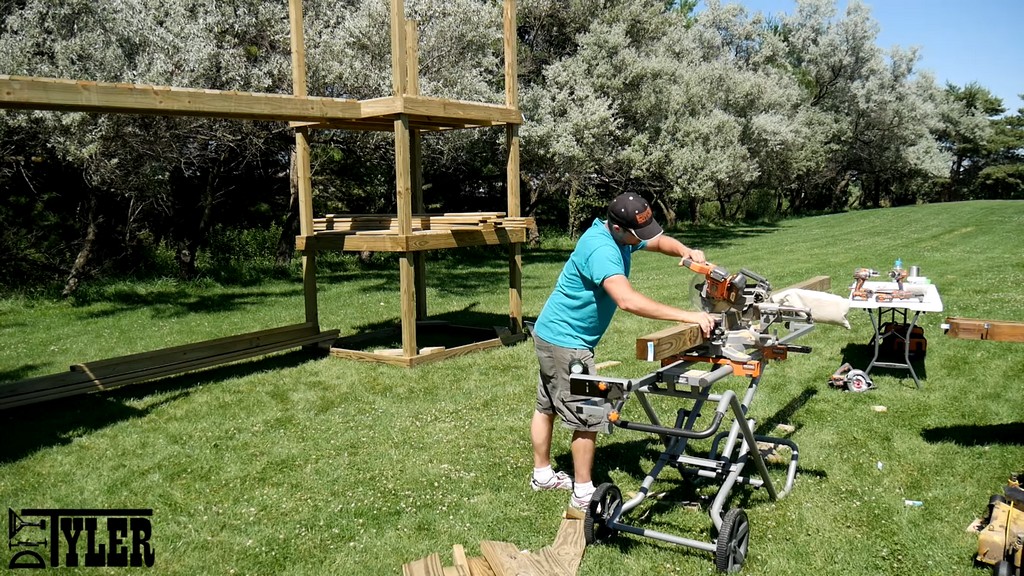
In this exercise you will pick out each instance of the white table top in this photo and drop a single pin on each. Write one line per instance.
(930, 303)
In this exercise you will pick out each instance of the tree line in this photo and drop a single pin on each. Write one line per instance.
(718, 115)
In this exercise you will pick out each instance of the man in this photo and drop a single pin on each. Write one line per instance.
(593, 284)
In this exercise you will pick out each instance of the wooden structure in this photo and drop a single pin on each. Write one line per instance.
(562, 558)
(974, 329)
(410, 232)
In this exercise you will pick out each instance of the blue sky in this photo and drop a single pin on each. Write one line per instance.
(959, 41)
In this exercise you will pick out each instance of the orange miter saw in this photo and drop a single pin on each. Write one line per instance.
(744, 313)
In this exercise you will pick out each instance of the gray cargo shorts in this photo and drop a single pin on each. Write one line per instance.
(553, 396)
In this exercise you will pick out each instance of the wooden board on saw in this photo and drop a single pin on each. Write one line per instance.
(682, 337)
(561, 558)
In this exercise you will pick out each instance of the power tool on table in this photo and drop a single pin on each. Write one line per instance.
(860, 275)
(743, 314)
(898, 275)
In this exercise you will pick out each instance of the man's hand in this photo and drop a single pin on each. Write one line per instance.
(702, 319)
(697, 256)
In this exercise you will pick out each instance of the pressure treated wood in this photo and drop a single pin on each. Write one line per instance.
(976, 329)
(36, 93)
(561, 558)
(418, 240)
(429, 566)
(136, 368)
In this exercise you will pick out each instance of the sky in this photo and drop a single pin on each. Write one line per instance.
(959, 41)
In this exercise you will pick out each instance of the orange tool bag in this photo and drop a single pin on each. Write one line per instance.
(893, 336)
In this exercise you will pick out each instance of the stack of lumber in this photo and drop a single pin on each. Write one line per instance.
(123, 370)
(388, 223)
(562, 558)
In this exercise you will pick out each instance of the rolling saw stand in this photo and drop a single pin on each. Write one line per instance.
(733, 457)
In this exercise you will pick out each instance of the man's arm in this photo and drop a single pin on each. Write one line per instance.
(628, 299)
(668, 245)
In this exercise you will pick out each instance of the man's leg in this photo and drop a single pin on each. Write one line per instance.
(540, 435)
(583, 448)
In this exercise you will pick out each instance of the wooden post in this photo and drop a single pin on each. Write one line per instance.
(302, 163)
(515, 258)
(412, 84)
(403, 178)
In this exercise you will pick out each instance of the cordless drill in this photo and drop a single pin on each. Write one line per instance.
(860, 275)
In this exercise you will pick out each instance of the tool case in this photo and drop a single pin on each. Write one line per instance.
(894, 334)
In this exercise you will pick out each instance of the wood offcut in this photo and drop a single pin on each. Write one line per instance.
(561, 558)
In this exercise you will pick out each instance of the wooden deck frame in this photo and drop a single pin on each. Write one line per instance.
(405, 112)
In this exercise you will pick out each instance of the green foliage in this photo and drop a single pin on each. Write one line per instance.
(717, 115)
(305, 464)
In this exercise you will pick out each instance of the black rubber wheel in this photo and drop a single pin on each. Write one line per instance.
(1004, 568)
(733, 541)
(606, 501)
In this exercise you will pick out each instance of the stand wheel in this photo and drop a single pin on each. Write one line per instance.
(733, 541)
(1004, 568)
(606, 502)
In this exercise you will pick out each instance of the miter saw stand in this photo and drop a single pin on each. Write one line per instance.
(733, 350)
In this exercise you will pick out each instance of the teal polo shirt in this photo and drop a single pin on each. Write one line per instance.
(579, 309)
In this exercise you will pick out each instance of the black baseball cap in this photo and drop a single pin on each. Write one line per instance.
(633, 213)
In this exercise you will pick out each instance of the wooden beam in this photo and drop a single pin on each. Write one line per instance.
(668, 342)
(515, 252)
(79, 95)
(412, 82)
(35, 93)
(137, 368)
(454, 110)
(421, 240)
(975, 329)
(817, 283)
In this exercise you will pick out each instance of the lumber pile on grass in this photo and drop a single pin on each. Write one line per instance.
(562, 558)
(388, 223)
(123, 370)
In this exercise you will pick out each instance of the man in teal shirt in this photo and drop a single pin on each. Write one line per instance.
(593, 284)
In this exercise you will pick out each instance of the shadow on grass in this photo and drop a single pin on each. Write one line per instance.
(180, 301)
(59, 422)
(785, 414)
(711, 237)
(977, 434)
(19, 373)
(455, 328)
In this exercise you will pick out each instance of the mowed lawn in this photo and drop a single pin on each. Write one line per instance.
(298, 463)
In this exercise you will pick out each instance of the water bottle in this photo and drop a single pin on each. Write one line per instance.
(899, 264)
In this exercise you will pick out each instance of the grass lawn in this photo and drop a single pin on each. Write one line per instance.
(302, 464)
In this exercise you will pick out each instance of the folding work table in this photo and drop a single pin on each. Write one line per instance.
(926, 299)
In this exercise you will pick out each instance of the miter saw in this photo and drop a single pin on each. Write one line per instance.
(741, 304)
(718, 420)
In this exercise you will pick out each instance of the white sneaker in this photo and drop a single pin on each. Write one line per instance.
(580, 503)
(558, 481)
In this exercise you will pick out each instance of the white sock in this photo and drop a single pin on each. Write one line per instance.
(543, 474)
(583, 489)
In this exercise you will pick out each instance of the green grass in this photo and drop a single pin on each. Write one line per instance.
(297, 464)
